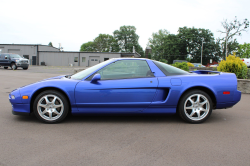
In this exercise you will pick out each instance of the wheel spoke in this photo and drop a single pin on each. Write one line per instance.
(204, 110)
(50, 114)
(46, 99)
(42, 105)
(192, 113)
(189, 108)
(56, 112)
(54, 100)
(191, 100)
(44, 112)
(198, 99)
(204, 102)
(198, 114)
(57, 106)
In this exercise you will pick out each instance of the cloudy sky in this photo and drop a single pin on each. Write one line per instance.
(73, 22)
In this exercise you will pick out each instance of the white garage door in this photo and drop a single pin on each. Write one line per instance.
(14, 51)
(93, 60)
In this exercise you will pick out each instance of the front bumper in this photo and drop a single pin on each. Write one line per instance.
(23, 65)
(18, 107)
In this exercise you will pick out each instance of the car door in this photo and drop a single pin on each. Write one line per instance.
(125, 86)
(6, 62)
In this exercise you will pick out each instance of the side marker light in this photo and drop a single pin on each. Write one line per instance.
(25, 97)
(226, 93)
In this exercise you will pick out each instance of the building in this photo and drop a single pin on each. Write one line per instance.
(51, 56)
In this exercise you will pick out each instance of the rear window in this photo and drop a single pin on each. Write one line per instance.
(169, 70)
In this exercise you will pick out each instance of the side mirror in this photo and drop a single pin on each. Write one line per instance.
(5, 57)
(95, 78)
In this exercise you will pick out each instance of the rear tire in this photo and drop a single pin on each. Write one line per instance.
(195, 106)
(5, 67)
(51, 106)
(25, 68)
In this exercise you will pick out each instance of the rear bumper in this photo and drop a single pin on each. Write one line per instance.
(236, 99)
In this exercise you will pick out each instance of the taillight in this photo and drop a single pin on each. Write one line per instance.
(242, 59)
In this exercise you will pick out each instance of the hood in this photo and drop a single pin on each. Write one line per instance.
(19, 59)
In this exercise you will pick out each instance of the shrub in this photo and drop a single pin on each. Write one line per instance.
(233, 64)
(190, 64)
(183, 65)
(163, 60)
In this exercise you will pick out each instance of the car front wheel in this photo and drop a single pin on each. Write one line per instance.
(25, 68)
(13, 66)
(195, 106)
(5, 67)
(51, 106)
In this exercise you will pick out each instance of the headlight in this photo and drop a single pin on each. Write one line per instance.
(12, 97)
(17, 60)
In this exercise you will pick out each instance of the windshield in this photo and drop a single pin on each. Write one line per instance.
(88, 71)
(15, 56)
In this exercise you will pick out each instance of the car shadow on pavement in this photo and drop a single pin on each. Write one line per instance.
(173, 118)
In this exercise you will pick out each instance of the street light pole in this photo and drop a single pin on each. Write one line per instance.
(201, 50)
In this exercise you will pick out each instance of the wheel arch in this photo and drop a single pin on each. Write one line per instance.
(37, 92)
(205, 89)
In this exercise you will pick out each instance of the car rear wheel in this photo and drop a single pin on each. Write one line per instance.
(195, 106)
(13, 66)
(51, 106)
(25, 68)
(5, 67)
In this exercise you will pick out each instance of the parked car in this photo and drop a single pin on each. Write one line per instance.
(126, 86)
(14, 61)
(246, 61)
(214, 65)
(180, 61)
(198, 65)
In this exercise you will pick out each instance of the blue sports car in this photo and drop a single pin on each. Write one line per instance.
(128, 85)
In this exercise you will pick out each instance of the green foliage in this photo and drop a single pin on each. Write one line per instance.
(104, 43)
(87, 46)
(233, 64)
(126, 38)
(183, 65)
(243, 50)
(50, 44)
(163, 60)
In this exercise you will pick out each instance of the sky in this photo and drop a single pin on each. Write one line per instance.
(75, 22)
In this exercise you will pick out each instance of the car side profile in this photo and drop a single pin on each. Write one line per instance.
(14, 61)
(127, 86)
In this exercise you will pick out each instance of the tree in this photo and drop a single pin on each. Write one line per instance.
(243, 50)
(193, 39)
(87, 46)
(126, 39)
(104, 43)
(231, 29)
(50, 44)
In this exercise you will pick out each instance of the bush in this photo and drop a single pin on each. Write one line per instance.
(183, 65)
(233, 64)
(163, 60)
(190, 64)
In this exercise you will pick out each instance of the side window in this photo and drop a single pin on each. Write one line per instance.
(125, 69)
(76, 59)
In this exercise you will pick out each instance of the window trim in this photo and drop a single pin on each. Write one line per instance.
(92, 75)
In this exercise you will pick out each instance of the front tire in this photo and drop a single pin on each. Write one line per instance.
(51, 106)
(25, 68)
(5, 67)
(13, 66)
(195, 106)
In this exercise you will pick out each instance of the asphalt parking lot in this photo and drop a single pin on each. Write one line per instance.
(224, 139)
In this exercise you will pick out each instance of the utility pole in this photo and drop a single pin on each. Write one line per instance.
(202, 49)
(226, 45)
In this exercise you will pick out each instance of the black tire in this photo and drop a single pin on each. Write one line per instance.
(25, 68)
(47, 112)
(200, 112)
(5, 67)
(13, 66)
